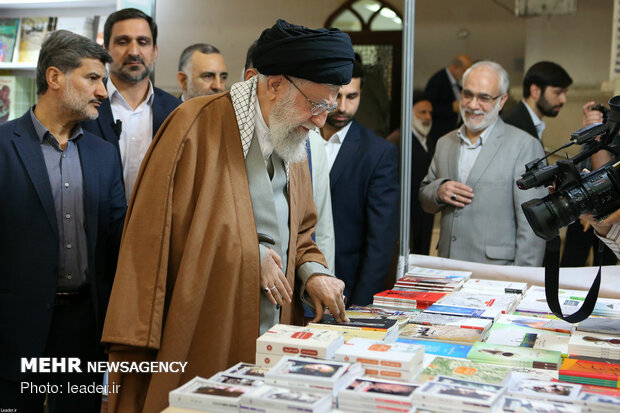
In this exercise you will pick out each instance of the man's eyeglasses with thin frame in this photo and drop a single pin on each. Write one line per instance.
(317, 108)
(484, 98)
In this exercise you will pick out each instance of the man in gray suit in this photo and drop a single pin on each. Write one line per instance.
(471, 179)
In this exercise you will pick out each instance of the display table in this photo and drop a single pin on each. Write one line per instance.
(579, 278)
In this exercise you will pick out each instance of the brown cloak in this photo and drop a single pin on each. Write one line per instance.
(187, 284)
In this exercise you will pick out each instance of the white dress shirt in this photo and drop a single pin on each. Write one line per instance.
(332, 146)
(538, 123)
(136, 134)
(468, 152)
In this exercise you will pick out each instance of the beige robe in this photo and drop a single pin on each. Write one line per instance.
(187, 284)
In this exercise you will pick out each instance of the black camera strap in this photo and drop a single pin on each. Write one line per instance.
(552, 279)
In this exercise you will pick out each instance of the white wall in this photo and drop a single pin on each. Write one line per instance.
(581, 42)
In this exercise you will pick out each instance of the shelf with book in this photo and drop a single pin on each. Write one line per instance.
(23, 26)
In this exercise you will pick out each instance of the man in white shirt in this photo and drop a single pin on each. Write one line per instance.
(471, 179)
(135, 109)
(202, 71)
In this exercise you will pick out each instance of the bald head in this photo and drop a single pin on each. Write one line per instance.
(459, 65)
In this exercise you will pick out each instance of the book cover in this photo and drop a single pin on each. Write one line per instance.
(595, 345)
(515, 356)
(401, 356)
(546, 390)
(360, 323)
(468, 299)
(468, 383)
(33, 31)
(8, 37)
(465, 396)
(372, 389)
(438, 348)
(202, 394)
(267, 360)
(525, 405)
(317, 375)
(281, 399)
(284, 339)
(232, 379)
(465, 369)
(437, 273)
(445, 333)
(247, 370)
(537, 323)
(607, 403)
(427, 318)
(84, 26)
(600, 325)
(495, 286)
(7, 98)
(491, 314)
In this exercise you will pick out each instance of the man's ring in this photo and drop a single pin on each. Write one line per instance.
(274, 288)
(266, 289)
(453, 197)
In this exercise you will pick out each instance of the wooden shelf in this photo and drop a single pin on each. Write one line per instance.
(56, 4)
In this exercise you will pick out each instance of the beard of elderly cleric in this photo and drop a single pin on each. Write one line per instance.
(423, 127)
(487, 119)
(287, 134)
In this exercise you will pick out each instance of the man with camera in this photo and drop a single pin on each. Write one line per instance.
(471, 179)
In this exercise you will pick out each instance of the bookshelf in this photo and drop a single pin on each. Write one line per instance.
(23, 73)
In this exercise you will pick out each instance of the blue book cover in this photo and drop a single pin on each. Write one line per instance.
(452, 310)
(438, 348)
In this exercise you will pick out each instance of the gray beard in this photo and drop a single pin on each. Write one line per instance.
(288, 140)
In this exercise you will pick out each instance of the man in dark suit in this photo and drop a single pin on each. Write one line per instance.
(444, 89)
(134, 110)
(202, 71)
(365, 196)
(61, 218)
(544, 93)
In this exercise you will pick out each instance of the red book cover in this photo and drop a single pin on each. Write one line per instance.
(591, 369)
(418, 296)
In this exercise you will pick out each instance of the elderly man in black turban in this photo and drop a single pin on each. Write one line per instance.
(217, 244)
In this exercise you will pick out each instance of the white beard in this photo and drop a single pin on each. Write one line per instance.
(420, 127)
(486, 121)
(288, 138)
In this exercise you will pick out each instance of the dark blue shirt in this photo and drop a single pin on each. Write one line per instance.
(65, 174)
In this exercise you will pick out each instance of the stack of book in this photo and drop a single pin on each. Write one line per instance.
(590, 372)
(439, 348)
(425, 283)
(515, 356)
(459, 277)
(458, 396)
(285, 340)
(599, 401)
(384, 329)
(534, 302)
(276, 399)
(465, 370)
(525, 405)
(205, 395)
(605, 346)
(313, 375)
(398, 361)
(566, 393)
(371, 395)
(495, 286)
(443, 333)
(412, 300)
(469, 304)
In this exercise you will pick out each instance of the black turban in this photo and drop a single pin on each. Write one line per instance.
(321, 55)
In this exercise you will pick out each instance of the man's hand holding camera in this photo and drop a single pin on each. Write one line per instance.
(455, 193)
(603, 226)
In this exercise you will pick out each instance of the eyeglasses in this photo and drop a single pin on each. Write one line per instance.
(317, 108)
(484, 98)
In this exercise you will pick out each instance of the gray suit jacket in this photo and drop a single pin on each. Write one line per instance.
(493, 228)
